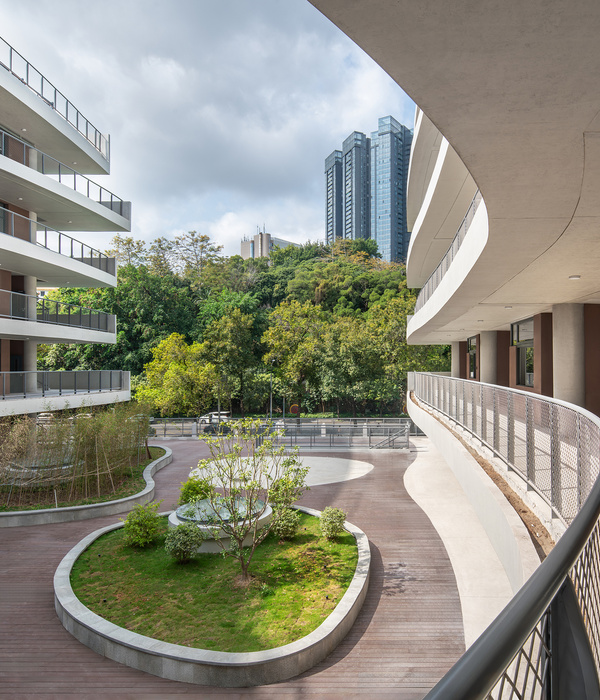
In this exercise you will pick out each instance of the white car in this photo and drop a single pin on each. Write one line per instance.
(214, 417)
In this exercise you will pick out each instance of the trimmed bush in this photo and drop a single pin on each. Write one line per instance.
(183, 541)
(142, 525)
(332, 522)
(286, 523)
(194, 489)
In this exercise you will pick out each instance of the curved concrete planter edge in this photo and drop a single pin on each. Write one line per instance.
(48, 516)
(199, 666)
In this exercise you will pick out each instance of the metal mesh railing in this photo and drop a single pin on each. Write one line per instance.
(438, 274)
(12, 61)
(555, 447)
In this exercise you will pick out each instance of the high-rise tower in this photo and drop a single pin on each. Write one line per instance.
(390, 153)
(366, 189)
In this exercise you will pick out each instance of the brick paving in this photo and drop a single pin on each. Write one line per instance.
(405, 638)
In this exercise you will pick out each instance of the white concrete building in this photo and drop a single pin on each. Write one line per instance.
(505, 216)
(48, 153)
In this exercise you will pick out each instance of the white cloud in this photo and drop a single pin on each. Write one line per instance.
(221, 112)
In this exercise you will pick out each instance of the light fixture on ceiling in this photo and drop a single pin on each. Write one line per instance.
(508, 307)
(574, 277)
(20, 199)
(74, 162)
(23, 129)
(479, 320)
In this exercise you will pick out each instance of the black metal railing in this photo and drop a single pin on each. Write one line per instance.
(35, 384)
(23, 228)
(43, 310)
(546, 642)
(18, 150)
(14, 63)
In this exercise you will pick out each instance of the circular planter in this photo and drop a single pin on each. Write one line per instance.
(212, 668)
(20, 518)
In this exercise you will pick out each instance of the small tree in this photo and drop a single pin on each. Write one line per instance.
(246, 470)
(194, 489)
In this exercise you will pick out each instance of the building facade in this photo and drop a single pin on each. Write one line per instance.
(47, 151)
(390, 155)
(366, 189)
(261, 245)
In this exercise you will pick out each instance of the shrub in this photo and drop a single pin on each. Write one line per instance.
(183, 541)
(332, 522)
(194, 489)
(142, 525)
(286, 523)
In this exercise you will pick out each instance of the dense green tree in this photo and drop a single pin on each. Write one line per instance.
(178, 379)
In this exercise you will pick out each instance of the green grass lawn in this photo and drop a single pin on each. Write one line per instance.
(294, 587)
(131, 483)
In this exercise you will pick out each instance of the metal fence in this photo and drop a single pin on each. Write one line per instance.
(438, 274)
(23, 228)
(12, 61)
(24, 307)
(375, 433)
(546, 643)
(15, 385)
(21, 152)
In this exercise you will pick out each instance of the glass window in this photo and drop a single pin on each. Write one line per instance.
(522, 337)
(472, 350)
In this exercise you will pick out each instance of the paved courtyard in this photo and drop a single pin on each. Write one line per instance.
(408, 634)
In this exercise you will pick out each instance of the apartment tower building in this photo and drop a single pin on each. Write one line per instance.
(366, 189)
(47, 151)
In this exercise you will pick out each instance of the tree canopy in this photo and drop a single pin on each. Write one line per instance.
(325, 326)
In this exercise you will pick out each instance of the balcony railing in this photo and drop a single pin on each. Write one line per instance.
(15, 385)
(42, 310)
(438, 274)
(546, 642)
(21, 152)
(21, 227)
(12, 61)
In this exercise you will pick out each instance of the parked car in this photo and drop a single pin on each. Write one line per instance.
(214, 417)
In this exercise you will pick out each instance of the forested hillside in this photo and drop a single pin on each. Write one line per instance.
(326, 324)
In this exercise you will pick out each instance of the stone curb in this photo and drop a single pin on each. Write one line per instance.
(199, 666)
(21, 518)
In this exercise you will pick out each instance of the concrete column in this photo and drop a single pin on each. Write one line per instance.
(455, 366)
(568, 352)
(488, 357)
(30, 350)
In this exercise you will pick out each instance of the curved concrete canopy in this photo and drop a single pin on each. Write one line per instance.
(514, 88)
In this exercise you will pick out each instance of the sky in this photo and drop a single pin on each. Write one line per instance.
(221, 112)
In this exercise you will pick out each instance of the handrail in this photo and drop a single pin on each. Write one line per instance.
(14, 385)
(18, 226)
(15, 63)
(517, 649)
(25, 307)
(437, 275)
(18, 150)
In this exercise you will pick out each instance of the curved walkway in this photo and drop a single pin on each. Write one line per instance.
(407, 635)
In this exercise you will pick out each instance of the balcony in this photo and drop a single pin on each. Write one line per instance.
(90, 207)
(549, 634)
(32, 392)
(51, 256)
(23, 310)
(443, 266)
(13, 62)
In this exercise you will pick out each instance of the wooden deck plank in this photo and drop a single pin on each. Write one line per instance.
(407, 635)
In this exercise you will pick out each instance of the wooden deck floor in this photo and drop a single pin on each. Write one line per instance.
(407, 635)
